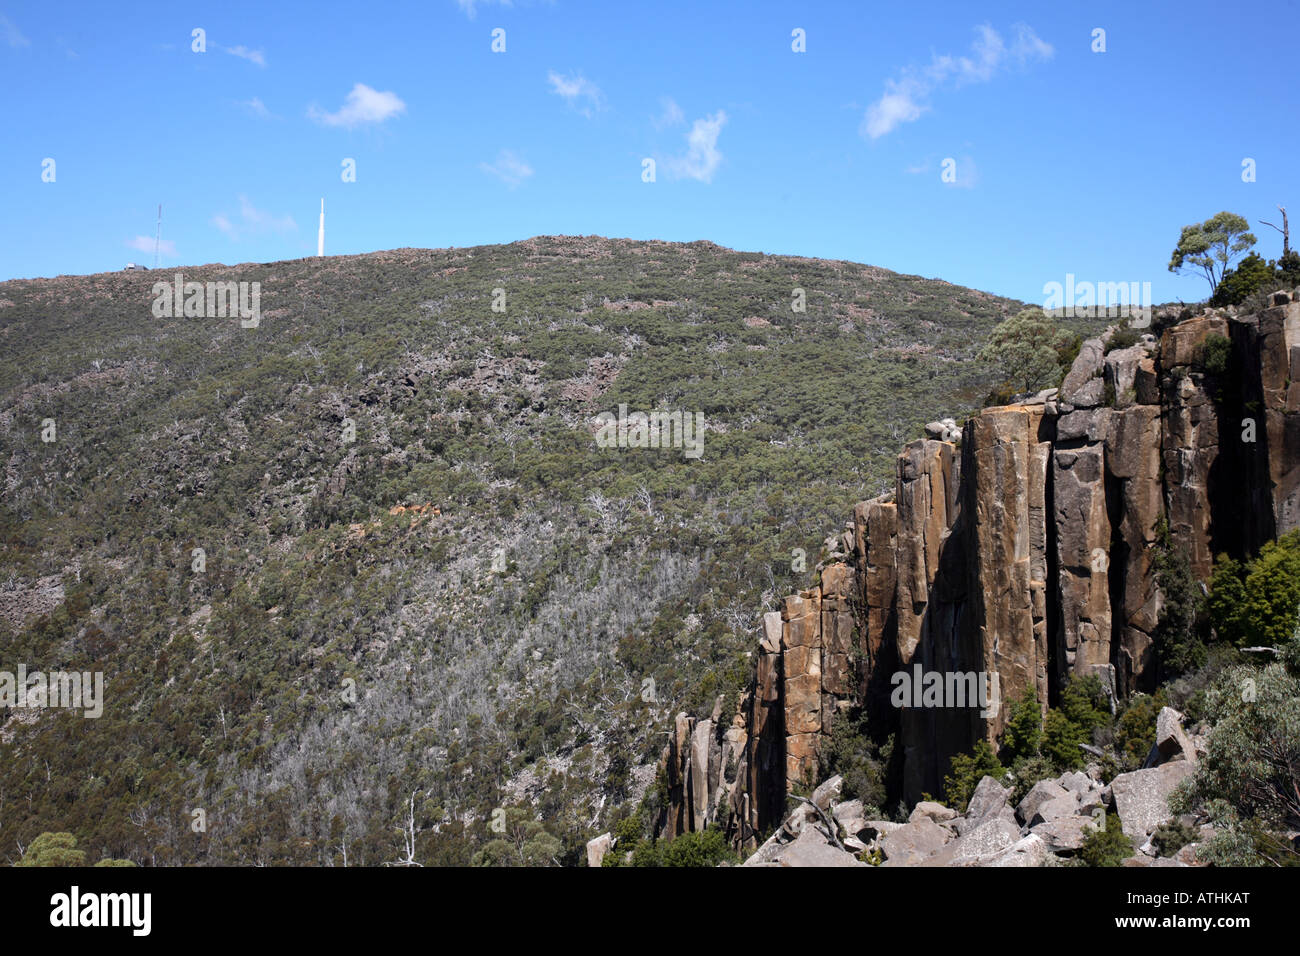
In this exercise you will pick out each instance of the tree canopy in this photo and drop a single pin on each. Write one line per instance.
(1211, 246)
(1027, 350)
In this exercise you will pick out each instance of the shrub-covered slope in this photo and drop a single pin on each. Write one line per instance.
(361, 575)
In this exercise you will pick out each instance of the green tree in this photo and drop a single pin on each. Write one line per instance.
(1178, 634)
(1062, 738)
(1211, 246)
(60, 849)
(1249, 780)
(53, 849)
(707, 848)
(966, 771)
(524, 842)
(1024, 731)
(1026, 350)
(1253, 274)
(1085, 703)
(1106, 846)
(1135, 733)
(1028, 771)
(1257, 603)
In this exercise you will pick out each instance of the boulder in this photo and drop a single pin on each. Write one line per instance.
(1089, 395)
(1054, 809)
(1087, 424)
(945, 429)
(935, 811)
(989, 797)
(597, 848)
(914, 842)
(1064, 834)
(1172, 742)
(1090, 801)
(979, 845)
(874, 830)
(1043, 792)
(1027, 851)
(1076, 782)
(828, 793)
(1087, 366)
(1121, 373)
(811, 849)
(1142, 797)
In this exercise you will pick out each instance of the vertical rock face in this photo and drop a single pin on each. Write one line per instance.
(1007, 519)
(1082, 547)
(1191, 437)
(1015, 561)
(1133, 457)
(1279, 348)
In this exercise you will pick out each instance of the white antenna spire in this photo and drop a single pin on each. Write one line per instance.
(320, 236)
(157, 237)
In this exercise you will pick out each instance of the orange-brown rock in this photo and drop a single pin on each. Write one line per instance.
(1025, 553)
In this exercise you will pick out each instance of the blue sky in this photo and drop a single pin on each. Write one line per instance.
(1066, 160)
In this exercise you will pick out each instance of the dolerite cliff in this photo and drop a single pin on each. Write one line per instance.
(1023, 550)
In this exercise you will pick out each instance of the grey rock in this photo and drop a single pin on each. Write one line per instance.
(1087, 365)
(1090, 394)
(935, 811)
(1091, 424)
(1042, 792)
(1076, 782)
(828, 792)
(1142, 797)
(1172, 742)
(1121, 373)
(1054, 809)
(1064, 834)
(979, 845)
(989, 797)
(1027, 851)
(811, 849)
(914, 842)
(597, 848)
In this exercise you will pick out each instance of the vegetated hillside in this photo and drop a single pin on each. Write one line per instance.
(330, 668)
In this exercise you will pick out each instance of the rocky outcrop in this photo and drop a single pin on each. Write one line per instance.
(1051, 824)
(1013, 558)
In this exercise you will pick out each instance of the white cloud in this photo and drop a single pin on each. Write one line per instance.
(362, 105)
(576, 90)
(257, 108)
(469, 5)
(508, 168)
(244, 53)
(671, 116)
(905, 96)
(225, 225)
(12, 35)
(702, 157)
(145, 244)
(252, 220)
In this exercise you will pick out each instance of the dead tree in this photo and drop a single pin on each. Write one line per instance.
(1285, 230)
